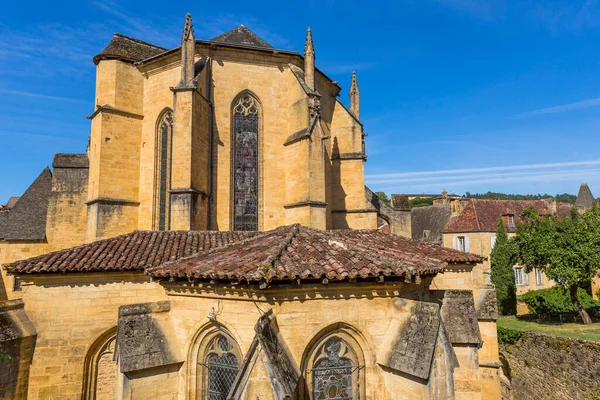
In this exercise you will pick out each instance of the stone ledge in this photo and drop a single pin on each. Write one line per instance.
(307, 203)
(110, 200)
(107, 108)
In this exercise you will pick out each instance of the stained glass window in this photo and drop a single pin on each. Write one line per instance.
(245, 165)
(222, 368)
(333, 372)
(164, 138)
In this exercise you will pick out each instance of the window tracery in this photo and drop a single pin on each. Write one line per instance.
(163, 175)
(333, 371)
(245, 164)
(222, 367)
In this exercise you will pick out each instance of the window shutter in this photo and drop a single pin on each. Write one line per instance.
(526, 278)
(454, 242)
(467, 244)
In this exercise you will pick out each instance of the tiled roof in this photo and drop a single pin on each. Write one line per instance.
(280, 254)
(64, 160)
(26, 220)
(585, 198)
(294, 251)
(431, 219)
(481, 215)
(241, 36)
(128, 49)
(131, 252)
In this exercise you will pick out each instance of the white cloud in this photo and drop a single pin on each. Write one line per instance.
(561, 108)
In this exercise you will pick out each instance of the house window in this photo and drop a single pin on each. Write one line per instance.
(518, 276)
(492, 242)
(164, 139)
(489, 276)
(526, 276)
(511, 220)
(461, 242)
(222, 365)
(245, 164)
(538, 277)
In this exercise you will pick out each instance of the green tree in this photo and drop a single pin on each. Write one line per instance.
(503, 257)
(567, 249)
(383, 197)
(420, 202)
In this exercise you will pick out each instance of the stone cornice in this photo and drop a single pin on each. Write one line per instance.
(112, 200)
(306, 203)
(355, 211)
(107, 108)
(349, 156)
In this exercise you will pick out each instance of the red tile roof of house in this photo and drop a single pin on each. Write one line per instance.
(280, 254)
(481, 215)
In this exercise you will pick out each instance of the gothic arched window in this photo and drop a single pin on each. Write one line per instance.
(245, 163)
(222, 365)
(333, 368)
(164, 146)
(100, 369)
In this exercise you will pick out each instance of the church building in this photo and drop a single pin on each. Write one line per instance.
(216, 242)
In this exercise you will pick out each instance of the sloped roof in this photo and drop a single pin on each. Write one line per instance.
(295, 251)
(432, 219)
(128, 49)
(131, 252)
(68, 160)
(280, 254)
(481, 215)
(585, 198)
(241, 36)
(26, 220)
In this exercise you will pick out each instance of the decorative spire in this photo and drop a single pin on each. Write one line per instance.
(354, 97)
(309, 47)
(188, 43)
(188, 29)
(309, 61)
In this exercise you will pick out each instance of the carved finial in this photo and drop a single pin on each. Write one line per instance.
(188, 44)
(354, 97)
(354, 84)
(188, 29)
(309, 61)
(309, 47)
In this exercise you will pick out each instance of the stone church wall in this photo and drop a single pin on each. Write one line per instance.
(541, 367)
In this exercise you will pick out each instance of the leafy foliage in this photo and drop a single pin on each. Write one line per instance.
(567, 249)
(420, 202)
(5, 357)
(509, 336)
(383, 197)
(558, 300)
(503, 257)
(564, 197)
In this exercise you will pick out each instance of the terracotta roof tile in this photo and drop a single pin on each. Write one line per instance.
(280, 254)
(481, 215)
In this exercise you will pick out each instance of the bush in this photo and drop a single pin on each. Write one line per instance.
(509, 336)
(556, 300)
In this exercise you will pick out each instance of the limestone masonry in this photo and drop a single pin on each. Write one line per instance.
(216, 241)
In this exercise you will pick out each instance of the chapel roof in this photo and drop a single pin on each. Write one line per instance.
(241, 36)
(481, 215)
(128, 49)
(26, 219)
(279, 254)
(585, 198)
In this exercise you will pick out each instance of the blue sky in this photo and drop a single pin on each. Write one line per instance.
(463, 95)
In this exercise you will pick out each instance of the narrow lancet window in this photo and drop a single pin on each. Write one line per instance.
(163, 175)
(245, 164)
(222, 365)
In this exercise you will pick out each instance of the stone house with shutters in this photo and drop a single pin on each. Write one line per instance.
(472, 228)
(215, 242)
